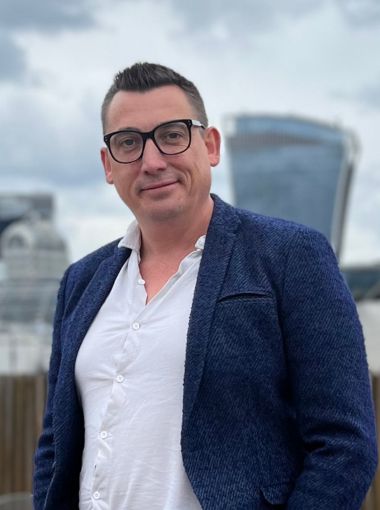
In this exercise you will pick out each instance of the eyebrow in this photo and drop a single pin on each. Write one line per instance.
(132, 128)
(128, 128)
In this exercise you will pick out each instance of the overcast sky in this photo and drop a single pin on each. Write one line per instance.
(318, 59)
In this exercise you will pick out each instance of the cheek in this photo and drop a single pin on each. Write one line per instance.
(125, 177)
(124, 189)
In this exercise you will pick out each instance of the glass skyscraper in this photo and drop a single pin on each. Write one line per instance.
(292, 168)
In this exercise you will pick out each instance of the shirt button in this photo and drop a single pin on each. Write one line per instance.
(119, 378)
(140, 281)
(103, 434)
(136, 326)
(96, 495)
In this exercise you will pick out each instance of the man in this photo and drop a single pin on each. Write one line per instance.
(210, 359)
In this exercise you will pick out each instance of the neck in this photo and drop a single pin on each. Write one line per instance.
(174, 237)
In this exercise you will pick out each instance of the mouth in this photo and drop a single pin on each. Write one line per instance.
(158, 185)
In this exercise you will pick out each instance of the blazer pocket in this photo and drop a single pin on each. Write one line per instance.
(277, 494)
(244, 295)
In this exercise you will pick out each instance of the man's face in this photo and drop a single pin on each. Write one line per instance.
(161, 187)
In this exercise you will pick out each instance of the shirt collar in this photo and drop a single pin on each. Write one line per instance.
(132, 239)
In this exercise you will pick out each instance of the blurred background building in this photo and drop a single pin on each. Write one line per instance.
(293, 168)
(33, 257)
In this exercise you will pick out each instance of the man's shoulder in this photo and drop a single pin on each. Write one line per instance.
(84, 268)
(98, 255)
(266, 229)
(269, 223)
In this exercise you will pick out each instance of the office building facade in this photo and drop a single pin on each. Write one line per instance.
(292, 168)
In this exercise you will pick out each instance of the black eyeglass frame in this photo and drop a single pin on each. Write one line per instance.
(149, 135)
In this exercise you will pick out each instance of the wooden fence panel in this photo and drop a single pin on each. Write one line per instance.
(22, 400)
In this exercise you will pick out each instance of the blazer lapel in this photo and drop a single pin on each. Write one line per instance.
(78, 324)
(94, 296)
(217, 252)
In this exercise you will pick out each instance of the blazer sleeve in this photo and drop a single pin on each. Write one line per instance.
(45, 456)
(329, 378)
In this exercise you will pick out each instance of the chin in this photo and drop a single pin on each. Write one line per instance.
(165, 213)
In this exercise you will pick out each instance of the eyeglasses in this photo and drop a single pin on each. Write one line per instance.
(174, 137)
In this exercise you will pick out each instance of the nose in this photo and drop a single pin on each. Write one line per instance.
(152, 159)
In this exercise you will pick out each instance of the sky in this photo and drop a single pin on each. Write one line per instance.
(300, 57)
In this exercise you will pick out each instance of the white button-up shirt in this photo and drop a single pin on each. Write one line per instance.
(129, 374)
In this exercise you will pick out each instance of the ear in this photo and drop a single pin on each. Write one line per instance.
(212, 141)
(105, 157)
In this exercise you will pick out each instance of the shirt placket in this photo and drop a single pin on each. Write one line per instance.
(138, 314)
(129, 349)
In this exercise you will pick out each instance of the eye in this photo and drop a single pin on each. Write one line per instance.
(173, 134)
(127, 141)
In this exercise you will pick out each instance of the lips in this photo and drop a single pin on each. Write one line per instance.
(158, 185)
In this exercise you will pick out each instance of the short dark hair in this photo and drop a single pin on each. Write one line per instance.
(144, 76)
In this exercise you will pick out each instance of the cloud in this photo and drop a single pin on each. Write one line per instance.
(52, 140)
(18, 16)
(360, 13)
(12, 58)
(222, 18)
(48, 16)
(241, 20)
(367, 95)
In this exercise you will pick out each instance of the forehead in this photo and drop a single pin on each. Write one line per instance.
(144, 110)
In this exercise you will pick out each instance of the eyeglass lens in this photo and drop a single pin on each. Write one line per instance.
(170, 138)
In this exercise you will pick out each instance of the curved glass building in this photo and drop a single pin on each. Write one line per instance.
(293, 168)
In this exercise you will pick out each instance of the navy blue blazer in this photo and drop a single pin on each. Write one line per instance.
(277, 407)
